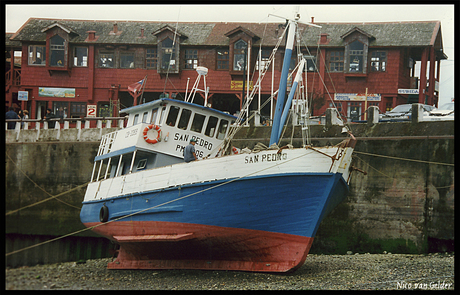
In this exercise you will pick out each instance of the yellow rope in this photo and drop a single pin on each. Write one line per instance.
(396, 158)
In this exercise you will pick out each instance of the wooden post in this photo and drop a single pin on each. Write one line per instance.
(365, 106)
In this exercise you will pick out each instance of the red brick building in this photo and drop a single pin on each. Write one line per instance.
(72, 65)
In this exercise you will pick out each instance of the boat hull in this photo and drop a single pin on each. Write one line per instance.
(261, 223)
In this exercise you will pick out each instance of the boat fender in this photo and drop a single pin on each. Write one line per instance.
(234, 150)
(104, 214)
(147, 139)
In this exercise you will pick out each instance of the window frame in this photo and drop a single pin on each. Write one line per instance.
(336, 60)
(222, 64)
(83, 60)
(191, 59)
(172, 63)
(237, 52)
(32, 59)
(151, 58)
(103, 54)
(379, 60)
(131, 62)
(356, 55)
(57, 52)
(266, 53)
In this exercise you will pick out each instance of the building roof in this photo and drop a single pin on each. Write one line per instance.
(386, 34)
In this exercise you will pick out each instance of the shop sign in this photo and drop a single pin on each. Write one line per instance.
(357, 96)
(56, 92)
(238, 85)
(407, 91)
(91, 110)
(23, 95)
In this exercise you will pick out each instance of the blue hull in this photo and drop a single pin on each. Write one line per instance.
(290, 203)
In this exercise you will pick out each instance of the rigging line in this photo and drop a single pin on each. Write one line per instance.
(410, 160)
(172, 51)
(45, 200)
(165, 203)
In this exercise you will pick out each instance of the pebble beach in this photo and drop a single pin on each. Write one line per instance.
(320, 272)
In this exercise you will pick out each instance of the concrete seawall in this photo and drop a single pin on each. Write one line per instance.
(405, 203)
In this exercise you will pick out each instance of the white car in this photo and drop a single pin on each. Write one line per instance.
(403, 112)
(445, 112)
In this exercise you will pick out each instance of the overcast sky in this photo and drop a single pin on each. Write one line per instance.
(17, 15)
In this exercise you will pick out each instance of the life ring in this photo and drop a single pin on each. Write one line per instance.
(104, 214)
(234, 150)
(147, 139)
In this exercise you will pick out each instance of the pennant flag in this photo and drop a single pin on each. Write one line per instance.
(135, 87)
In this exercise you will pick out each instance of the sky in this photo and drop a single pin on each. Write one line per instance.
(17, 15)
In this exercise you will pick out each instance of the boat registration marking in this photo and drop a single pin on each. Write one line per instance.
(265, 158)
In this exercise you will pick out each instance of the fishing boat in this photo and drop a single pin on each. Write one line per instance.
(242, 210)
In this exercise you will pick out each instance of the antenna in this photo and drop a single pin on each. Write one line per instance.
(296, 20)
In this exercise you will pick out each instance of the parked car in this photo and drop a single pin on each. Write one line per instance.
(445, 112)
(403, 112)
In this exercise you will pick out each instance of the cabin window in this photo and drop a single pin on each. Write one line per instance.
(378, 61)
(222, 129)
(211, 127)
(151, 58)
(106, 59)
(136, 119)
(127, 60)
(142, 163)
(37, 55)
(144, 117)
(172, 116)
(154, 116)
(197, 123)
(80, 57)
(57, 51)
(191, 58)
(356, 57)
(239, 49)
(222, 59)
(184, 118)
(77, 109)
(336, 61)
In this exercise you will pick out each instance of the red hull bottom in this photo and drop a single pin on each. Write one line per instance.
(170, 245)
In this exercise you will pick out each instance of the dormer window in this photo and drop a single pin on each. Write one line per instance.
(239, 49)
(37, 55)
(168, 55)
(356, 53)
(57, 51)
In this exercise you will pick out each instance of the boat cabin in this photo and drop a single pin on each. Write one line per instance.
(156, 135)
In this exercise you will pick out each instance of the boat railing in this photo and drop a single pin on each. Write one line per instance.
(106, 143)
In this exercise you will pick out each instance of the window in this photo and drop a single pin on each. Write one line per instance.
(191, 58)
(211, 127)
(239, 49)
(336, 61)
(37, 55)
(136, 118)
(77, 109)
(127, 60)
(168, 55)
(141, 164)
(60, 109)
(378, 61)
(265, 56)
(172, 116)
(57, 51)
(106, 60)
(222, 59)
(184, 118)
(311, 63)
(197, 123)
(151, 58)
(356, 50)
(222, 129)
(80, 56)
(144, 117)
(154, 116)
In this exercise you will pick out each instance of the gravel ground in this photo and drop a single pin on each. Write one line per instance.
(320, 272)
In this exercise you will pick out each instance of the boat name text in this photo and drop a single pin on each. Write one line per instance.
(265, 158)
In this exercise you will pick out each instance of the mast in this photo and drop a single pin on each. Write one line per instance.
(275, 134)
